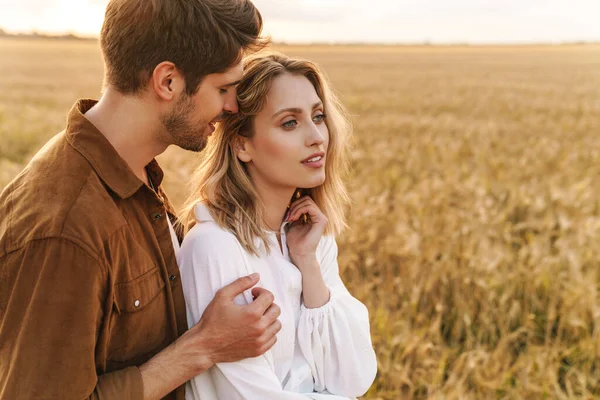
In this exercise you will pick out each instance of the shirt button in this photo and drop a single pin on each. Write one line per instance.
(136, 303)
(157, 216)
(172, 278)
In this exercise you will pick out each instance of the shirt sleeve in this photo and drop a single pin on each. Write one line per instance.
(335, 338)
(210, 259)
(49, 323)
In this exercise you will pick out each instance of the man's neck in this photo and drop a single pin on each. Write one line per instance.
(130, 127)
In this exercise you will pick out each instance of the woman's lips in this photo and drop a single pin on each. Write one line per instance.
(314, 162)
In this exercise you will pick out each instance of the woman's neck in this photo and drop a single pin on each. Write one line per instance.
(275, 204)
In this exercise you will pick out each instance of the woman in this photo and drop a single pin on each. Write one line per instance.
(286, 145)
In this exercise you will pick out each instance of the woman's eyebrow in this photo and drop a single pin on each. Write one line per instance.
(296, 110)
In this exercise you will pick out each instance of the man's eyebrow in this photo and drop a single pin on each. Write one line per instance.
(296, 110)
(233, 83)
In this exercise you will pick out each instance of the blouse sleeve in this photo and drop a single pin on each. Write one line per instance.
(210, 259)
(335, 338)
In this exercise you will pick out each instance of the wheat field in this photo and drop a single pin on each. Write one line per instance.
(475, 226)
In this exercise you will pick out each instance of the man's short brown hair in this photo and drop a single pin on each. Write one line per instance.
(200, 37)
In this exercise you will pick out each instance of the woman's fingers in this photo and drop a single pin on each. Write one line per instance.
(311, 209)
(303, 202)
(294, 215)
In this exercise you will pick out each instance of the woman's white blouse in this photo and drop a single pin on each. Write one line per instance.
(318, 351)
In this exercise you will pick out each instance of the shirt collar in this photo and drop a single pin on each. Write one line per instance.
(203, 215)
(102, 156)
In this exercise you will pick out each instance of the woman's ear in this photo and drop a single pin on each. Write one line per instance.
(241, 148)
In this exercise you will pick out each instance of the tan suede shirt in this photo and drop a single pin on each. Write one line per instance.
(89, 283)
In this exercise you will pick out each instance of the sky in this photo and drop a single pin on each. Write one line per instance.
(365, 21)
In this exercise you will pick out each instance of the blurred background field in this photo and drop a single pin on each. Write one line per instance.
(475, 227)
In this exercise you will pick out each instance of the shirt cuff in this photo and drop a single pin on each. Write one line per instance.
(324, 309)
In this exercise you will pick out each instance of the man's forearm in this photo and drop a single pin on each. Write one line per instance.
(172, 367)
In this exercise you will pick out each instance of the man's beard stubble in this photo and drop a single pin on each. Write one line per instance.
(178, 124)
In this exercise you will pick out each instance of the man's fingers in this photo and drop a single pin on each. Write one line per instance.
(262, 301)
(273, 328)
(272, 313)
(257, 291)
(271, 331)
(239, 286)
(270, 343)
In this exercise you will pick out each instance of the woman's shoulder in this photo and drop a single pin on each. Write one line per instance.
(207, 235)
(210, 257)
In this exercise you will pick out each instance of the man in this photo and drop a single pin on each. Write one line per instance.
(91, 304)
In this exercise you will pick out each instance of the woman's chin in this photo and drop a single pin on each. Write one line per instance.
(313, 182)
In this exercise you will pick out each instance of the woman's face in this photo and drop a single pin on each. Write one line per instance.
(288, 148)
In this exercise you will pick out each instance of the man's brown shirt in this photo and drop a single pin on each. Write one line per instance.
(89, 283)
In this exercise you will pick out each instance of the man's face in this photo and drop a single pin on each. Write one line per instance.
(192, 120)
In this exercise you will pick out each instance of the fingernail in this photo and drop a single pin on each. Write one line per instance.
(254, 276)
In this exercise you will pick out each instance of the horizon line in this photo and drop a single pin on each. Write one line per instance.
(425, 42)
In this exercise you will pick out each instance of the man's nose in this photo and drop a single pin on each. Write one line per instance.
(231, 105)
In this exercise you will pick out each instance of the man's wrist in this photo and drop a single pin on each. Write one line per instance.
(195, 350)
(182, 360)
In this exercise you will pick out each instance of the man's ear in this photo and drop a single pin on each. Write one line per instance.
(241, 147)
(167, 81)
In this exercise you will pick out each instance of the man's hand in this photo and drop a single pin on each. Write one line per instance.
(231, 332)
(226, 332)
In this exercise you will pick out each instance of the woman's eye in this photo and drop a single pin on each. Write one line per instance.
(223, 91)
(319, 118)
(289, 124)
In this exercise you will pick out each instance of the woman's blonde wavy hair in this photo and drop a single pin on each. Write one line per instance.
(222, 180)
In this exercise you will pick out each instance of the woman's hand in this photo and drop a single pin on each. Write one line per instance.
(302, 239)
(305, 233)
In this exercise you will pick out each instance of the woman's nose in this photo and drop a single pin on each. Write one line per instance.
(316, 134)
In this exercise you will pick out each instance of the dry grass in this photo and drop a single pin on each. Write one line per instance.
(476, 220)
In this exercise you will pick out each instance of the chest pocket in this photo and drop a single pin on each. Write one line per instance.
(139, 324)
